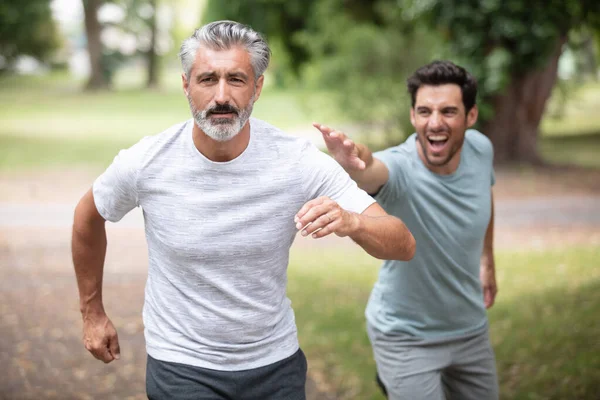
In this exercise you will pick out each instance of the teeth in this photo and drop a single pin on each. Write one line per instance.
(437, 138)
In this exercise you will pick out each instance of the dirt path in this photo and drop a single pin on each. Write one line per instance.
(40, 326)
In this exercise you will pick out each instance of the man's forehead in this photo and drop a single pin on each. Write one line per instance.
(439, 95)
(227, 60)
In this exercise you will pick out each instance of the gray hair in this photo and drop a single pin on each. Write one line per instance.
(223, 35)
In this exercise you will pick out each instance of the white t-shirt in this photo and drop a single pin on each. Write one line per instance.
(219, 235)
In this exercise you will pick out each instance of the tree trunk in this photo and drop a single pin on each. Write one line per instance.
(151, 56)
(518, 112)
(97, 79)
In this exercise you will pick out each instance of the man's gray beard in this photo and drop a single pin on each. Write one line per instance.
(222, 130)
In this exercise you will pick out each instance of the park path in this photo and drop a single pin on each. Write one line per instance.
(40, 326)
(564, 211)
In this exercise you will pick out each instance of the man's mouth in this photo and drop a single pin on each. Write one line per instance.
(220, 114)
(437, 142)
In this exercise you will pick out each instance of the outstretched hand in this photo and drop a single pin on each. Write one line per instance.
(342, 149)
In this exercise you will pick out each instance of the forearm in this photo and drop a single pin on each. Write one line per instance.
(374, 176)
(384, 237)
(89, 250)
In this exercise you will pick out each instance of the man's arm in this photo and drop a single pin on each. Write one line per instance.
(379, 234)
(368, 172)
(487, 271)
(89, 250)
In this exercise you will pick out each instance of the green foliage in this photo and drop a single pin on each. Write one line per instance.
(365, 50)
(501, 40)
(26, 28)
(366, 63)
(273, 18)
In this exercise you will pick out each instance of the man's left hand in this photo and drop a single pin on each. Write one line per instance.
(487, 274)
(323, 216)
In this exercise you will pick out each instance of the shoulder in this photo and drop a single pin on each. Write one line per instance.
(145, 150)
(279, 141)
(480, 143)
(399, 154)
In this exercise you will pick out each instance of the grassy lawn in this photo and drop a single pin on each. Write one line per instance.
(580, 114)
(48, 120)
(582, 149)
(544, 326)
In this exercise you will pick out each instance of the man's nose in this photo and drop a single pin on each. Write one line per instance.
(222, 96)
(435, 120)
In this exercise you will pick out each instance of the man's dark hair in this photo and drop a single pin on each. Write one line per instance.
(441, 73)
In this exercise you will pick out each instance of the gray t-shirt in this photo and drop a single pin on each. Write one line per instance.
(438, 293)
(219, 235)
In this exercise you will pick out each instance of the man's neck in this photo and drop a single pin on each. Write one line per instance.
(221, 151)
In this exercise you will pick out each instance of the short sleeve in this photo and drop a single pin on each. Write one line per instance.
(396, 160)
(323, 176)
(115, 191)
(483, 146)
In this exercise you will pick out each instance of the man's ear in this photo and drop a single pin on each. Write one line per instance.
(185, 84)
(412, 117)
(258, 87)
(472, 116)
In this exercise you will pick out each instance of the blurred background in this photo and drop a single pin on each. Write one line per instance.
(82, 79)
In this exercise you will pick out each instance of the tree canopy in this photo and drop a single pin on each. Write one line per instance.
(26, 28)
(365, 50)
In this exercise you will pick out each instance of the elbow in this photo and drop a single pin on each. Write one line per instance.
(407, 251)
(410, 248)
(404, 252)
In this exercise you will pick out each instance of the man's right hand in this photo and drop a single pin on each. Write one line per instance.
(100, 337)
(342, 149)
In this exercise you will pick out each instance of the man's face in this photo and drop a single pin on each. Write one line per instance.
(440, 122)
(221, 91)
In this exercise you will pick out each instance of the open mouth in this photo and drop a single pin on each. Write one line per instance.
(437, 142)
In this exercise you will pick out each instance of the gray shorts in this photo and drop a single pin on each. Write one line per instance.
(419, 369)
(283, 380)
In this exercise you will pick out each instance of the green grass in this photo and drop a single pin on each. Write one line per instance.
(544, 326)
(580, 114)
(582, 150)
(47, 120)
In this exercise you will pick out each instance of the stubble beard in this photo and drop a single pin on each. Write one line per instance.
(453, 150)
(221, 129)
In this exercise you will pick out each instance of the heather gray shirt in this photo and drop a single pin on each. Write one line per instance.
(219, 235)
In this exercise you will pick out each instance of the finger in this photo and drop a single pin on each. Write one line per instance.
(313, 214)
(114, 348)
(305, 208)
(324, 129)
(320, 222)
(329, 134)
(489, 297)
(101, 352)
(326, 230)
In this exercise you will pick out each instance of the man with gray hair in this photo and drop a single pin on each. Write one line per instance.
(223, 196)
